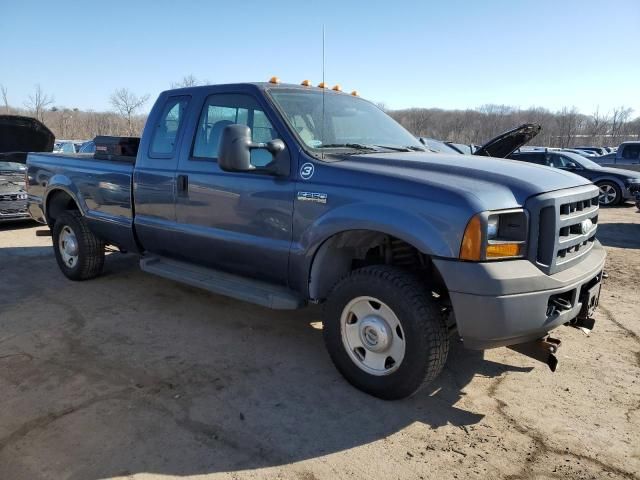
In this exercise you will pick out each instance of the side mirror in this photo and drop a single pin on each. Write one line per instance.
(234, 153)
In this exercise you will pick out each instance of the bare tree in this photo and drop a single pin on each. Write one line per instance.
(5, 100)
(619, 118)
(38, 102)
(187, 81)
(127, 103)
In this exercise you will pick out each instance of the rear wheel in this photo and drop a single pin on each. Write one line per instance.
(610, 193)
(79, 253)
(384, 332)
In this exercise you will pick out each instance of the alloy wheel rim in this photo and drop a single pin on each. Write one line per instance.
(68, 247)
(607, 194)
(372, 335)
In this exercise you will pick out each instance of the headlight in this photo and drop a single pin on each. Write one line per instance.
(495, 235)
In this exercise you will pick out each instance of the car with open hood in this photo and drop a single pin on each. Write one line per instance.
(501, 146)
(18, 135)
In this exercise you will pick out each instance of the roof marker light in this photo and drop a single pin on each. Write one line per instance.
(337, 88)
(274, 80)
(355, 93)
(306, 83)
(322, 85)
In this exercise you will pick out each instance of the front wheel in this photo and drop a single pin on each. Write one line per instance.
(79, 253)
(384, 332)
(610, 194)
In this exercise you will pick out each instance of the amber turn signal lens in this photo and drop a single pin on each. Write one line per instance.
(322, 85)
(355, 93)
(306, 83)
(503, 250)
(471, 248)
(337, 88)
(274, 80)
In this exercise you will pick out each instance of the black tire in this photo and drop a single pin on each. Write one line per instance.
(610, 185)
(425, 332)
(90, 258)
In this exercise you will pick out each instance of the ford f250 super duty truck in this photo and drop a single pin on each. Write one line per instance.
(284, 195)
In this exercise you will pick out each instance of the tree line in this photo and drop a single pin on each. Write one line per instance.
(563, 128)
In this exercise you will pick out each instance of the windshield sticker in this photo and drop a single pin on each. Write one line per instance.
(306, 171)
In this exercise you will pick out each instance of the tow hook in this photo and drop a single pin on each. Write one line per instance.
(543, 350)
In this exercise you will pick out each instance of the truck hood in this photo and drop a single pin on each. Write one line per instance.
(487, 183)
(508, 142)
(24, 134)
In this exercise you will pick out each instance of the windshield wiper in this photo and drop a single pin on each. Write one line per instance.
(356, 146)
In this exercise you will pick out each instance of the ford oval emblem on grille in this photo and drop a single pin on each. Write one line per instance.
(585, 226)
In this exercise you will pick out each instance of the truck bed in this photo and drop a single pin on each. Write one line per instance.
(101, 188)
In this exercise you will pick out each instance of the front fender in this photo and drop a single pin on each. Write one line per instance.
(434, 233)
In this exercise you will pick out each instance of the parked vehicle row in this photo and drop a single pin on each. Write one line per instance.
(616, 185)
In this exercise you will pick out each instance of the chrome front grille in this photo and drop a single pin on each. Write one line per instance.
(12, 205)
(563, 227)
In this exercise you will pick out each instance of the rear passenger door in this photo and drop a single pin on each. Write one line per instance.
(154, 180)
(237, 222)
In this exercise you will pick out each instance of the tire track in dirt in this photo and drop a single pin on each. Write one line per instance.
(542, 447)
(45, 420)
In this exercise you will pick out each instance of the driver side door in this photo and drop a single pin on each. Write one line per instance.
(239, 222)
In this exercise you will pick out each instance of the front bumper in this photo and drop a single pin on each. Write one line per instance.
(506, 303)
(631, 191)
(13, 210)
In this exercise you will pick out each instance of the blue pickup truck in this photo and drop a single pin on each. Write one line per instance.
(284, 195)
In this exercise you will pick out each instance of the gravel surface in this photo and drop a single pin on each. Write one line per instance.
(134, 376)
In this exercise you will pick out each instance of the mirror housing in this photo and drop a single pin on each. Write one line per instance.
(234, 153)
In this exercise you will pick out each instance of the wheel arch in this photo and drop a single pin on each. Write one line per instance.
(346, 250)
(57, 200)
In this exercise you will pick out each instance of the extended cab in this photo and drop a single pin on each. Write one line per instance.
(284, 195)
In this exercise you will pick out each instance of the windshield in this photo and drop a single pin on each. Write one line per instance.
(349, 122)
(12, 167)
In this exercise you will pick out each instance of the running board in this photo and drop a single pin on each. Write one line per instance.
(241, 288)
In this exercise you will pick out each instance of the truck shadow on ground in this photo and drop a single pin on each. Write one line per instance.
(181, 382)
(620, 235)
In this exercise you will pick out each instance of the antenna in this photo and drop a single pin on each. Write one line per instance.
(324, 85)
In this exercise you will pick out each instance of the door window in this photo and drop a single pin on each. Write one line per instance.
(165, 132)
(221, 110)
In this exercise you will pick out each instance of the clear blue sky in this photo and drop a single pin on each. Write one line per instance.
(448, 54)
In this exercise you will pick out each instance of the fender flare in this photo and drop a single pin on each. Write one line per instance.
(66, 186)
(406, 226)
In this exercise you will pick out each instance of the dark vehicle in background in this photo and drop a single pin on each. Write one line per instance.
(615, 185)
(284, 195)
(18, 135)
(626, 156)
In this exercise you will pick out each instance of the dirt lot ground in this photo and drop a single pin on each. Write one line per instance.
(135, 376)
